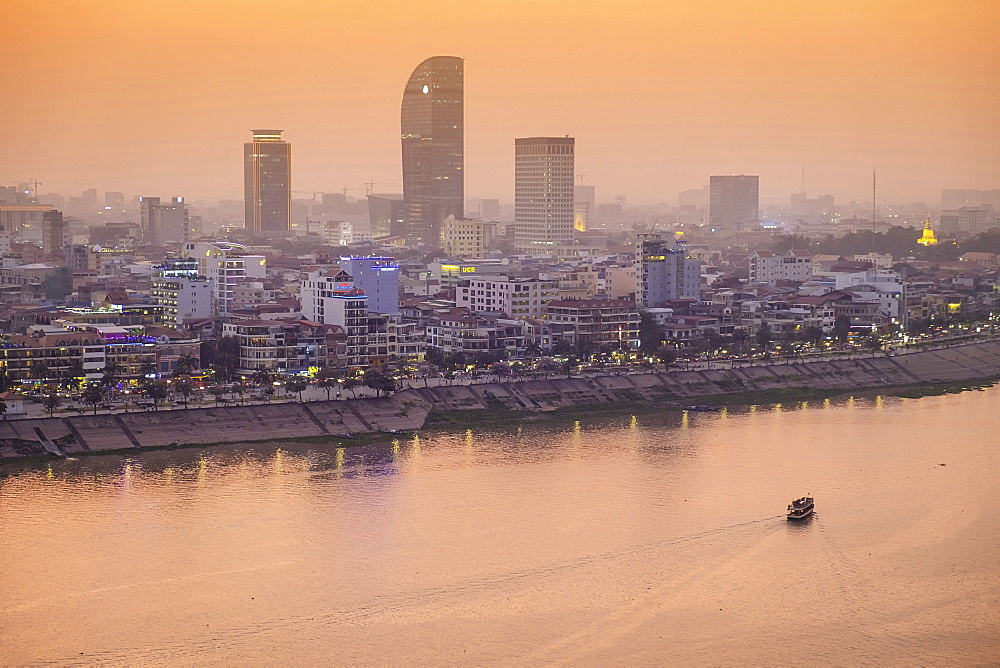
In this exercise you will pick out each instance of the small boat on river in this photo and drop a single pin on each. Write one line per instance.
(703, 409)
(799, 509)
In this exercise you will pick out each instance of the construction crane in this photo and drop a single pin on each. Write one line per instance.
(370, 186)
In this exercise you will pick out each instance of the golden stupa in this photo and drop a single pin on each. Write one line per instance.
(928, 238)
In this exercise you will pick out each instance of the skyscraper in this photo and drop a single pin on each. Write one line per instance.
(432, 128)
(733, 202)
(543, 193)
(267, 182)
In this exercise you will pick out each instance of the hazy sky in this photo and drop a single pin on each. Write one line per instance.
(156, 97)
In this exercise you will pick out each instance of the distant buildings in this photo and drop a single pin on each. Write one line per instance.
(466, 238)
(163, 224)
(387, 214)
(543, 194)
(432, 129)
(733, 202)
(267, 182)
(584, 208)
(663, 271)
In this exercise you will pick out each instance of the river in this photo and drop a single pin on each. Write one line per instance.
(639, 540)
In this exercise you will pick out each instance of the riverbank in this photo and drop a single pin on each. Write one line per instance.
(345, 421)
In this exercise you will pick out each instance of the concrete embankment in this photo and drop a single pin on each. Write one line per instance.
(409, 409)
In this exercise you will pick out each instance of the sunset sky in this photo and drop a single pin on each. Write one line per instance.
(156, 98)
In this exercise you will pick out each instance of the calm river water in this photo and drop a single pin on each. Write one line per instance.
(646, 540)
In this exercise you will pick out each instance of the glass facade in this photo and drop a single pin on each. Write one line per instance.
(432, 125)
(267, 179)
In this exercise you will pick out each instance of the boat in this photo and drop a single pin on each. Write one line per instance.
(702, 408)
(799, 509)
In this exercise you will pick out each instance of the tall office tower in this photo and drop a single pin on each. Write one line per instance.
(733, 202)
(163, 224)
(433, 129)
(663, 271)
(267, 182)
(543, 193)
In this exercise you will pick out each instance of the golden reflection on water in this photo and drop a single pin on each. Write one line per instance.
(667, 550)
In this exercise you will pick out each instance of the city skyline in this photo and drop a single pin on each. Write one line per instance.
(675, 93)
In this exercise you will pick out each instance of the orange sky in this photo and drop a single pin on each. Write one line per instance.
(156, 97)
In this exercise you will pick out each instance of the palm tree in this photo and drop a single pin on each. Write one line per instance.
(533, 349)
(111, 372)
(188, 364)
(39, 370)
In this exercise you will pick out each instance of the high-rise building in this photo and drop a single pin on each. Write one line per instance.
(663, 271)
(184, 295)
(543, 193)
(433, 129)
(267, 182)
(54, 233)
(733, 202)
(163, 224)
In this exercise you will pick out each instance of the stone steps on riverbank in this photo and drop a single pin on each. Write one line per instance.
(408, 410)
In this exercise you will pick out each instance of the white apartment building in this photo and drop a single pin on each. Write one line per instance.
(465, 238)
(329, 297)
(518, 298)
(767, 267)
(183, 299)
(225, 264)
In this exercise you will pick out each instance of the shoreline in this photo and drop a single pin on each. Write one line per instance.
(360, 421)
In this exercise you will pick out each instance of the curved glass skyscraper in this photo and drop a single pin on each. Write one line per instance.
(433, 133)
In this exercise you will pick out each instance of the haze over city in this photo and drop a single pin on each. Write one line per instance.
(159, 96)
(499, 333)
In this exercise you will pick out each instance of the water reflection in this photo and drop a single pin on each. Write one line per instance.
(641, 539)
